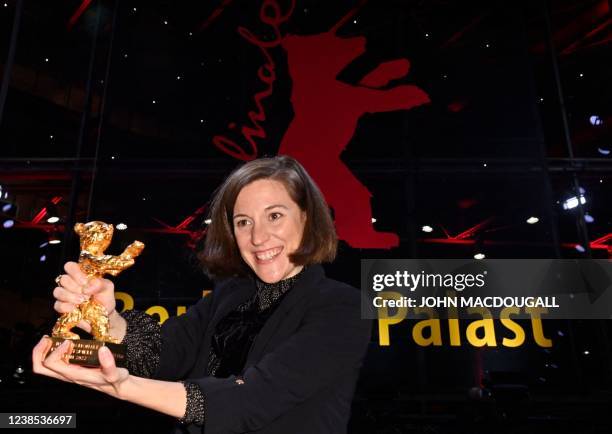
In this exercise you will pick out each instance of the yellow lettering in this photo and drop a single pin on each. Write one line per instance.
(160, 311)
(486, 324)
(126, 299)
(453, 323)
(433, 323)
(519, 333)
(536, 325)
(384, 320)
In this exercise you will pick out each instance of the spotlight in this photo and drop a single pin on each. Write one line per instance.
(572, 202)
(588, 218)
(7, 207)
(54, 238)
(427, 228)
(479, 256)
(43, 245)
(533, 220)
(52, 214)
(595, 120)
(586, 352)
(208, 221)
(43, 258)
(18, 374)
(121, 227)
(580, 248)
(373, 220)
(8, 223)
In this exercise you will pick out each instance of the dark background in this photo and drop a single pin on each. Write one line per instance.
(519, 122)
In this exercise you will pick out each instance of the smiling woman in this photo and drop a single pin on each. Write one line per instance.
(268, 226)
(300, 213)
(276, 348)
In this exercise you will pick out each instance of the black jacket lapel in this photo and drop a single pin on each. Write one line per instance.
(302, 289)
(239, 292)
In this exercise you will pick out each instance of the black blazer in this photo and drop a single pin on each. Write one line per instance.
(301, 371)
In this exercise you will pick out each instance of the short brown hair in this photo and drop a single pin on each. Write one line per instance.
(220, 255)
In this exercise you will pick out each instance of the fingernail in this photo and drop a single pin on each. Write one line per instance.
(83, 298)
(104, 353)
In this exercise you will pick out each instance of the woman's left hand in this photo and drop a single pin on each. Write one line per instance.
(108, 378)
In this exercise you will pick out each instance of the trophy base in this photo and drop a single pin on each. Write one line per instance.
(85, 352)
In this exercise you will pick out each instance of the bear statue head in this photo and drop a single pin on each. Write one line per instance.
(95, 236)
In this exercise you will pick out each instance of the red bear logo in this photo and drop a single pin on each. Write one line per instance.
(326, 114)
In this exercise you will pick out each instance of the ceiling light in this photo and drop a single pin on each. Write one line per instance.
(54, 238)
(572, 202)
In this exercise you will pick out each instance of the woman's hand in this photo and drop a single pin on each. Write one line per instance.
(167, 397)
(75, 288)
(108, 378)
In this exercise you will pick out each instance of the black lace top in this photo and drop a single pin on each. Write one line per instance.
(235, 334)
(233, 338)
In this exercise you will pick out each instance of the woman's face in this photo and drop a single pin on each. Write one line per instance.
(268, 226)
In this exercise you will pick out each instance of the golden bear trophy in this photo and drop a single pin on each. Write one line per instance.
(95, 237)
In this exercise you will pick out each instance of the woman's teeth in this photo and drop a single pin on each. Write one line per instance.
(269, 254)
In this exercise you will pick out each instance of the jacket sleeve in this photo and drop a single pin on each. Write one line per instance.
(181, 339)
(330, 342)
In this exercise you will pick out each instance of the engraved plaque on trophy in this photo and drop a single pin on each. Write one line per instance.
(95, 237)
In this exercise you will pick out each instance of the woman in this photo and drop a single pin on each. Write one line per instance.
(277, 346)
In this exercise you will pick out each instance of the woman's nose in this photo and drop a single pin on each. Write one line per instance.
(259, 234)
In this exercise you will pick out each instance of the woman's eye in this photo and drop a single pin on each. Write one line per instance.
(275, 216)
(241, 223)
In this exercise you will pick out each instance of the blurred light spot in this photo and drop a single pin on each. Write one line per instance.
(595, 120)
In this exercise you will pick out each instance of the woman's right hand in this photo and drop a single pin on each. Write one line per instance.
(75, 288)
